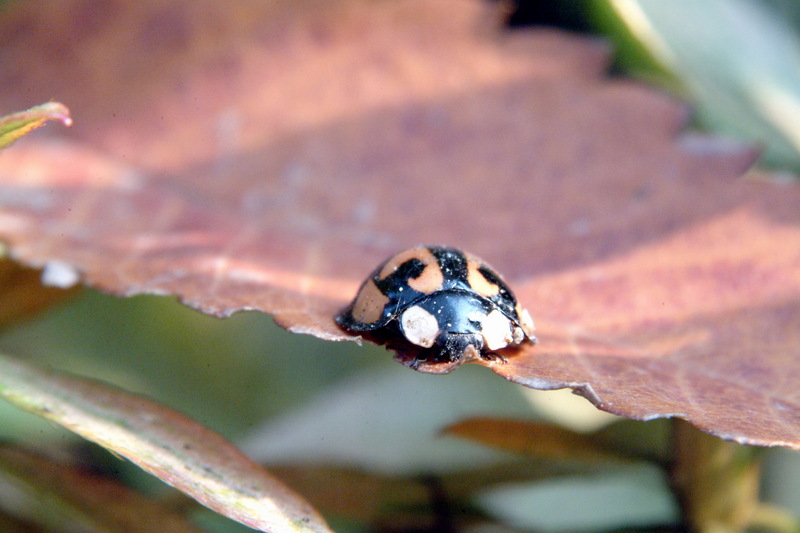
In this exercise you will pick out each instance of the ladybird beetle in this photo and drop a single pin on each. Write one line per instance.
(438, 307)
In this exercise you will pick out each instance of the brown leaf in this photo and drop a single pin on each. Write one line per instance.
(23, 294)
(268, 155)
(698, 324)
(536, 439)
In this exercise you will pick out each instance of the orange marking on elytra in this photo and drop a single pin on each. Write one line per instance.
(429, 280)
(369, 304)
(478, 281)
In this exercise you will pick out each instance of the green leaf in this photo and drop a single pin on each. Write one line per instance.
(15, 125)
(629, 497)
(163, 442)
(738, 60)
(62, 497)
(388, 420)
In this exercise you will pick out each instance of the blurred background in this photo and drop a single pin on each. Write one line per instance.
(291, 399)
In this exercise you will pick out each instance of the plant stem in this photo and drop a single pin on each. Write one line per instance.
(716, 481)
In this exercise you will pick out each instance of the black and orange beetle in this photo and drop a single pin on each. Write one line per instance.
(438, 307)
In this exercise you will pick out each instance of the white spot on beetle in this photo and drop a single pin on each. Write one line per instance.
(497, 330)
(419, 326)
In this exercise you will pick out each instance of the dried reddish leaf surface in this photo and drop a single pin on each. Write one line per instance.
(23, 294)
(268, 156)
(544, 441)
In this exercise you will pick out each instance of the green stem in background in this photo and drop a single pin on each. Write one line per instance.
(716, 481)
(768, 517)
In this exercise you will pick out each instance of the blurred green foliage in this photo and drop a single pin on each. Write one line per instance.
(737, 62)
